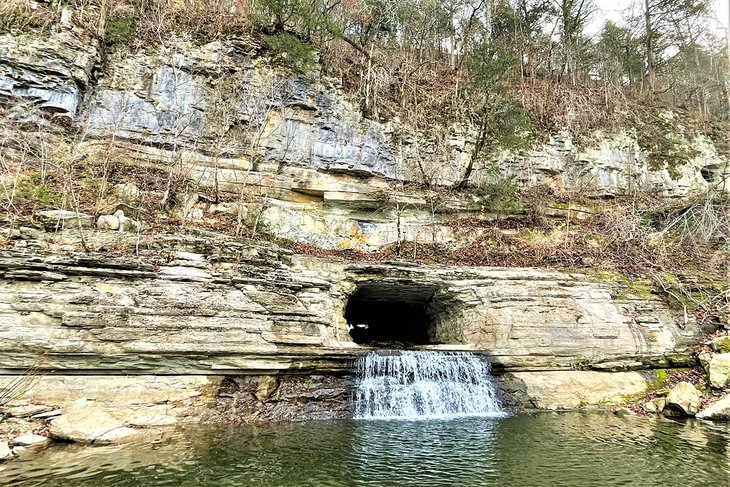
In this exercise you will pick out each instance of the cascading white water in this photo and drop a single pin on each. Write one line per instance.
(424, 384)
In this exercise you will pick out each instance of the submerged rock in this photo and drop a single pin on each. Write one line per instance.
(717, 411)
(719, 370)
(683, 400)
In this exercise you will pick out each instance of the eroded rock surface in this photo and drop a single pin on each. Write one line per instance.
(222, 312)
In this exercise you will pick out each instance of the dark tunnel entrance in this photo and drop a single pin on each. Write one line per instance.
(386, 313)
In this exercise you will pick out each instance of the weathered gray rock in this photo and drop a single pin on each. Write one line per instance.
(655, 405)
(30, 440)
(127, 224)
(60, 219)
(683, 400)
(245, 308)
(704, 358)
(720, 370)
(717, 411)
(50, 414)
(50, 71)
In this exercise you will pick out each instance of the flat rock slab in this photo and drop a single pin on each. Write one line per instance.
(30, 440)
(27, 410)
(49, 414)
(573, 389)
(85, 425)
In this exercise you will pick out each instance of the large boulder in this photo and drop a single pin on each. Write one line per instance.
(683, 400)
(719, 370)
(719, 411)
(91, 424)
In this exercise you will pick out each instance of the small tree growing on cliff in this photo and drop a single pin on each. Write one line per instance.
(501, 122)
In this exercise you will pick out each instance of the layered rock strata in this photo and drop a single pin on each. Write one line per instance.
(197, 307)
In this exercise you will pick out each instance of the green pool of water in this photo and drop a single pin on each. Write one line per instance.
(570, 449)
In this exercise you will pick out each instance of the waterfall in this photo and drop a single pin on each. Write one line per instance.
(424, 384)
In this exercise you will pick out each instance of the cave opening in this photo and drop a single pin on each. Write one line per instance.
(390, 314)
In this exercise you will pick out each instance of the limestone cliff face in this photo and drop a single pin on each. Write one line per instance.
(318, 171)
(198, 306)
(300, 161)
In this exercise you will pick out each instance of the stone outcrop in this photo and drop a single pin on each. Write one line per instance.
(197, 310)
(721, 344)
(247, 307)
(154, 329)
(577, 389)
(717, 411)
(52, 72)
(318, 172)
(91, 424)
(683, 400)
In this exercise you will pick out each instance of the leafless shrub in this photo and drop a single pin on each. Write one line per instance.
(22, 383)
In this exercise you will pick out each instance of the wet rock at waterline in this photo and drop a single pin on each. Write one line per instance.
(718, 411)
(577, 388)
(683, 400)
(92, 424)
(30, 440)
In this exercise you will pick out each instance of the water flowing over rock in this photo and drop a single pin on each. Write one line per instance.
(424, 384)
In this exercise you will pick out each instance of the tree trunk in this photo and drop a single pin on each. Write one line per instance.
(649, 45)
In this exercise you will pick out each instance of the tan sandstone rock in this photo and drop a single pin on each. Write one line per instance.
(683, 400)
(87, 425)
(720, 370)
(576, 389)
(5, 452)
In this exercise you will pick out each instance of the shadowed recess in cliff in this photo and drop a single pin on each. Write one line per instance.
(390, 312)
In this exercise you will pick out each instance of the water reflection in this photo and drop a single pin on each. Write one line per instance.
(541, 449)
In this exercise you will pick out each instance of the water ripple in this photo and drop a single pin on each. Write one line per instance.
(528, 449)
